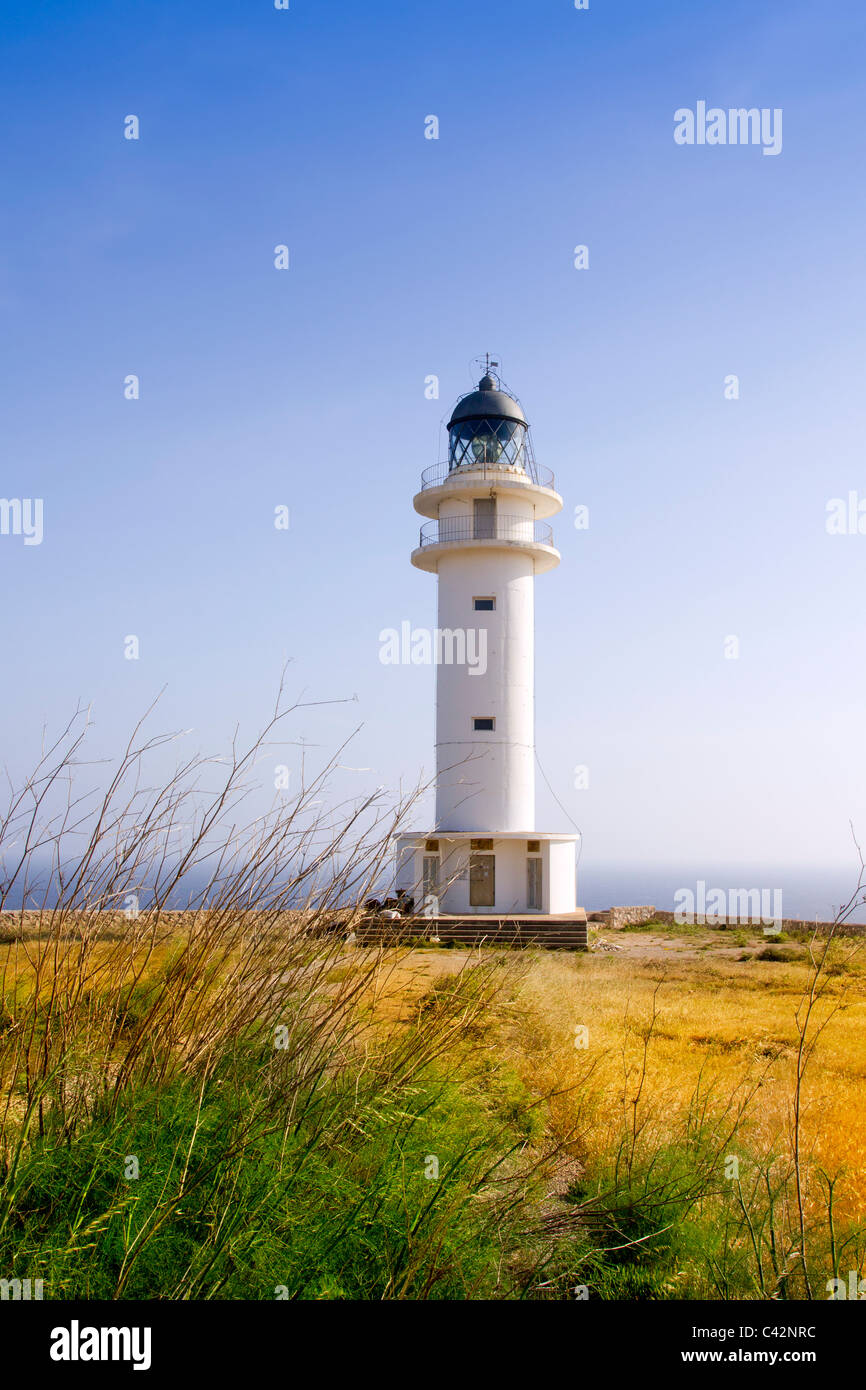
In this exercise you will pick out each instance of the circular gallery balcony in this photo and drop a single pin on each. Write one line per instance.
(477, 479)
(485, 532)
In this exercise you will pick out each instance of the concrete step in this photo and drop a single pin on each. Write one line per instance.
(558, 935)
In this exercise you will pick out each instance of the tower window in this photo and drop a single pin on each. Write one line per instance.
(484, 605)
(533, 846)
(432, 846)
(483, 723)
(481, 844)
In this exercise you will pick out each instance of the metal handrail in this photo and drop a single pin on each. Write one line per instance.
(497, 472)
(517, 530)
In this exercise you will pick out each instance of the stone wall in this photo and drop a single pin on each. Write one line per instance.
(630, 916)
(788, 924)
(617, 917)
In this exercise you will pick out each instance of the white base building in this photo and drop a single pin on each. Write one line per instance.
(511, 874)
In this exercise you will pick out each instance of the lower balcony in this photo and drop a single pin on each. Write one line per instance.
(493, 532)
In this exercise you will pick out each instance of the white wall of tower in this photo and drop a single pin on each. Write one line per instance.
(486, 781)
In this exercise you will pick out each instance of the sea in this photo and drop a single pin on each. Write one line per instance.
(806, 894)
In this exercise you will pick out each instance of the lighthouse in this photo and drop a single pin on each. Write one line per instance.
(486, 539)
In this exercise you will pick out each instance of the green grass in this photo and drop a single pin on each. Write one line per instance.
(340, 1201)
(412, 1167)
(664, 928)
(777, 953)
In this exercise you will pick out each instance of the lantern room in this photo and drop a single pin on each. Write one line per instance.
(487, 427)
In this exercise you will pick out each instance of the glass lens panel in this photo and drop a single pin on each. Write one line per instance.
(486, 442)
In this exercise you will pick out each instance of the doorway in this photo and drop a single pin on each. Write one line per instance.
(482, 880)
(485, 518)
(533, 881)
(431, 876)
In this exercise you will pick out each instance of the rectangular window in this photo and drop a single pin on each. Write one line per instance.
(480, 844)
(483, 724)
(533, 882)
(484, 605)
(432, 846)
(533, 846)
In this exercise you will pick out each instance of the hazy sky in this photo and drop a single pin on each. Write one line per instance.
(409, 256)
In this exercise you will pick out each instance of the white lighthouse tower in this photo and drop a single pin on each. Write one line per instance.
(486, 540)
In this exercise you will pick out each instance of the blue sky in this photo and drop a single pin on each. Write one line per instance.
(409, 257)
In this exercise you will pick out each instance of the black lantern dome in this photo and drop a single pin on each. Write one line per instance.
(487, 427)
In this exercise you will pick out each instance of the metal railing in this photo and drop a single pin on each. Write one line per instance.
(531, 473)
(516, 530)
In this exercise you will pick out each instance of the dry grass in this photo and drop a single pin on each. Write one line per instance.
(626, 1081)
(730, 1024)
(724, 1026)
(253, 1061)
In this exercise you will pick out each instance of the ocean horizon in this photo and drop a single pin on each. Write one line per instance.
(806, 894)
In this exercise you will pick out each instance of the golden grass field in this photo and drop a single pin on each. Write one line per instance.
(724, 1017)
(660, 1051)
